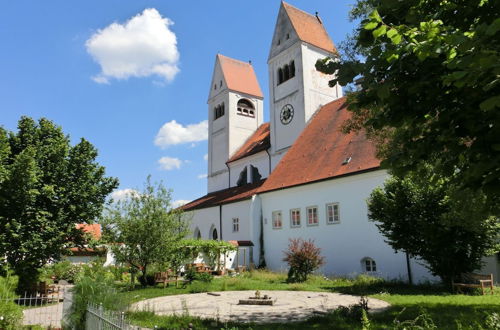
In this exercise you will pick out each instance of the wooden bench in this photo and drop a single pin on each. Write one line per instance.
(165, 277)
(471, 280)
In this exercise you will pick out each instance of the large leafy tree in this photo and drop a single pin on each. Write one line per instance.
(449, 228)
(143, 229)
(430, 87)
(46, 187)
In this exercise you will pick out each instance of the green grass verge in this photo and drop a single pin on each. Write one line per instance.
(447, 311)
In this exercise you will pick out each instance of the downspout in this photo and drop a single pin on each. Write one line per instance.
(220, 221)
(228, 176)
(269, 155)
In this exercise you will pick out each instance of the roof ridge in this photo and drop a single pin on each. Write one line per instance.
(234, 59)
(301, 10)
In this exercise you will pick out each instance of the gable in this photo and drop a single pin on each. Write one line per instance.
(304, 26)
(284, 34)
(235, 75)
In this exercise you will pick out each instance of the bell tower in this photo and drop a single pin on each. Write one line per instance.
(297, 89)
(235, 111)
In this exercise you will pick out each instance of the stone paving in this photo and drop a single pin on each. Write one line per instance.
(289, 305)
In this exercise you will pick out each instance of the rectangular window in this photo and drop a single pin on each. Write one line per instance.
(236, 225)
(295, 218)
(332, 213)
(277, 220)
(312, 216)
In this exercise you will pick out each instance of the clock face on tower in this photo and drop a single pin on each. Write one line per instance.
(286, 114)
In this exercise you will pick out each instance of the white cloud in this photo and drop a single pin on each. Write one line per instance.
(202, 176)
(121, 194)
(179, 202)
(143, 46)
(174, 133)
(205, 157)
(169, 163)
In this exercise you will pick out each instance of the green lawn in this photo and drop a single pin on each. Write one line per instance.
(408, 302)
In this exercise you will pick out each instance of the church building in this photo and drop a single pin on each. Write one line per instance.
(297, 176)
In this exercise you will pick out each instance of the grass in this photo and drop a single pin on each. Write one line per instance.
(448, 311)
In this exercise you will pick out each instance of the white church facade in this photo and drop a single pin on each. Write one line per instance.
(297, 176)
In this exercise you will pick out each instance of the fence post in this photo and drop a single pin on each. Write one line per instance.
(122, 320)
(99, 324)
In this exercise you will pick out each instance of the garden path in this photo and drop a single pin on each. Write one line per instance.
(288, 306)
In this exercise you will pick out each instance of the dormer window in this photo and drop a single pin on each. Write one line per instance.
(245, 108)
(286, 72)
(219, 111)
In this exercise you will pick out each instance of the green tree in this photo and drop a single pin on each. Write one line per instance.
(449, 228)
(430, 86)
(144, 229)
(46, 187)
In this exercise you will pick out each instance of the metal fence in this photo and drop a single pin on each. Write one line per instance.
(41, 308)
(97, 318)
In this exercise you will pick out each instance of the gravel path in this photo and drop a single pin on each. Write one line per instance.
(288, 306)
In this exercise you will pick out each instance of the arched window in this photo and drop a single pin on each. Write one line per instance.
(219, 111)
(214, 234)
(280, 76)
(292, 69)
(245, 108)
(197, 233)
(368, 265)
(286, 73)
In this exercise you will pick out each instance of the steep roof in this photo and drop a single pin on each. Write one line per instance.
(309, 28)
(93, 229)
(239, 76)
(258, 141)
(321, 150)
(230, 195)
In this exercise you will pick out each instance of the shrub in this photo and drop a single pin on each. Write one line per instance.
(303, 257)
(190, 274)
(204, 277)
(10, 313)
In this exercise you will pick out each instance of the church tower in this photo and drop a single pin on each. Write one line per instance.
(235, 111)
(297, 89)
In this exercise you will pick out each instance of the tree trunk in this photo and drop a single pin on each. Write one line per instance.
(142, 278)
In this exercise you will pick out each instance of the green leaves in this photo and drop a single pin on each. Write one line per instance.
(46, 187)
(442, 65)
(491, 103)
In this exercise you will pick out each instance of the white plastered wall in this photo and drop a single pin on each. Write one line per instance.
(259, 160)
(344, 245)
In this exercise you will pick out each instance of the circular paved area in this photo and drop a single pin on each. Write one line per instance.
(288, 305)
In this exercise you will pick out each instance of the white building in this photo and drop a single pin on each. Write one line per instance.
(298, 175)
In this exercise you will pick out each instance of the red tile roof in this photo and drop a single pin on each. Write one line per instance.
(93, 229)
(309, 28)
(258, 141)
(320, 150)
(239, 76)
(230, 195)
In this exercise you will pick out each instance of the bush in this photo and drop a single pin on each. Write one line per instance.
(204, 277)
(11, 314)
(63, 270)
(303, 257)
(190, 275)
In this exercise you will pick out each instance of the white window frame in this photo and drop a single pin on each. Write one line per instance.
(275, 213)
(292, 225)
(333, 205)
(307, 216)
(236, 225)
(369, 263)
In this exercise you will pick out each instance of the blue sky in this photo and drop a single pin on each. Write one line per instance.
(53, 54)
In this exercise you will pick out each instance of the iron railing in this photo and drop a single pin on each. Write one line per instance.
(97, 318)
